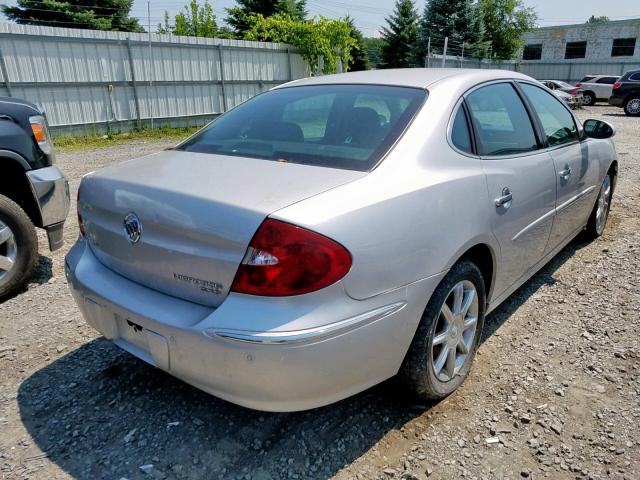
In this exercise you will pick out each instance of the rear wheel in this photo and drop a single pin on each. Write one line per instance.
(18, 247)
(600, 213)
(632, 107)
(588, 98)
(446, 340)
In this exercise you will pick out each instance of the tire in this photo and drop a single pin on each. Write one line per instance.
(419, 371)
(600, 213)
(18, 247)
(588, 98)
(632, 107)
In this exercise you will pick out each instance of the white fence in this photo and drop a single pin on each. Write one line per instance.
(94, 81)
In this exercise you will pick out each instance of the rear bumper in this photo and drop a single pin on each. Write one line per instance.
(616, 101)
(266, 354)
(51, 191)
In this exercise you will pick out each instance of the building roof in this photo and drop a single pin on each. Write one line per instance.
(630, 21)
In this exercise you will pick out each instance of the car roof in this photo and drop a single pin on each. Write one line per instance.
(409, 77)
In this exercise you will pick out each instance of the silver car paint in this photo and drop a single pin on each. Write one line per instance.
(405, 223)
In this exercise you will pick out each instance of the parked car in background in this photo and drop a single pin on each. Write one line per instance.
(338, 230)
(596, 87)
(626, 93)
(33, 192)
(559, 85)
(572, 101)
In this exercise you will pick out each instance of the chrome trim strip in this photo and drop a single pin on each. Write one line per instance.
(544, 217)
(308, 335)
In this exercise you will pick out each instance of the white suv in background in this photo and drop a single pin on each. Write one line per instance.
(596, 87)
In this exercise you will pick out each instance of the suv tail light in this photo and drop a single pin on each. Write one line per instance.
(283, 259)
(617, 85)
(574, 91)
(579, 84)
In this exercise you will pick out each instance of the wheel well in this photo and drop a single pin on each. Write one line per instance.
(482, 256)
(14, 185)
(613, 171)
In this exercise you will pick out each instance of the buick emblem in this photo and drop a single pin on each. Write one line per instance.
(133, 228)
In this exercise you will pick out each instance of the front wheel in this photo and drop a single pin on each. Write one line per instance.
(632, 107)
(18, 247)
(600, 213)
(447, 337)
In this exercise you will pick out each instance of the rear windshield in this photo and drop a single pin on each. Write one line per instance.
(588, 78)
(338, 126)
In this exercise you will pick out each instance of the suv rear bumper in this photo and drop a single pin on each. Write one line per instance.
(51, 192)
(232, 353)
(616, 101)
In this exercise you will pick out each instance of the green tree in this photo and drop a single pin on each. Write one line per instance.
(196, 21)
(505, 21)
(239, 17)
(359, 54)
(373, 47)
(330, 39)
(400, 36)
(458, 20)
(601, 19)
(89, 14)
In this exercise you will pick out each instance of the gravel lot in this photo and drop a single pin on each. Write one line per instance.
(554, 391)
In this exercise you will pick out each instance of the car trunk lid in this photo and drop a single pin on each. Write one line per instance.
(197, 213)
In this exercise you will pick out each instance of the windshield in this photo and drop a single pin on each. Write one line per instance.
(338, 126)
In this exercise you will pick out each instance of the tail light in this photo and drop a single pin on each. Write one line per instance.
(283, 259)
(574, 91)
(579, 84)
(80, 221)
(617, 85)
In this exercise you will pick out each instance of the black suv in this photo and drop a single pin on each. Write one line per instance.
(626, 93)
(33, 191)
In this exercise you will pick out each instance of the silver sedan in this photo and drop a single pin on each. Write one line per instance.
(337, 231)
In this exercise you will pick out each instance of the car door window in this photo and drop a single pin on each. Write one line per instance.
(558, 124)
(501, 120)
(460, 134)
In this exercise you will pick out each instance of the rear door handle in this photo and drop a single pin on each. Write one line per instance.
(505, 199)
(566, 173)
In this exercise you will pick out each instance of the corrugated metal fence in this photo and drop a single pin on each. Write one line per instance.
(569, 71)
(93, 81)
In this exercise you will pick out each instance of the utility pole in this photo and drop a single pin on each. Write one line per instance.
(150, 95)
(428, 60)
(444, 52)
(462, 56)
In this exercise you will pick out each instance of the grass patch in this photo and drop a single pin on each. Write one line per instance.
(75, 143)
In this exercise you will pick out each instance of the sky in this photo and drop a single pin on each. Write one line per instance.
(369, 15)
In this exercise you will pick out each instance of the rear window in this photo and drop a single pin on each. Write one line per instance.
(338, 126)
(588, 78)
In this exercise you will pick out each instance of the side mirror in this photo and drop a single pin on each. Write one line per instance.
(598, 129)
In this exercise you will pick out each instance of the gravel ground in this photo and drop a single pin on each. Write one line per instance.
(554, 391)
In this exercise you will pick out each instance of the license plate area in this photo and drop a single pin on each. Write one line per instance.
(132, 332)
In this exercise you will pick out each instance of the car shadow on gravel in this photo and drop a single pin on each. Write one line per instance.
(41, 275)
(98, 412)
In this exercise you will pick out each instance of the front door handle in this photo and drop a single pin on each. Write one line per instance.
(505, 199)
(566, 173)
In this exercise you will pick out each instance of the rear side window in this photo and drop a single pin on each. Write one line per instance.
(557, 122)
(460, 134)
(337, 126)
(635, 77)
(607, 80)
(588, 78)
(502, 123)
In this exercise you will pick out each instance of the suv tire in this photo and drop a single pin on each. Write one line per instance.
(423, 371)
(588, 98)
(632, 107)
(18, 247)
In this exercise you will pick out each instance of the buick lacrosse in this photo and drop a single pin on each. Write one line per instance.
(336, 231)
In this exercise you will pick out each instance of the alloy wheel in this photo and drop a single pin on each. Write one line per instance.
(602, 211)
(8, 251)
(455, 331)
(633, 106)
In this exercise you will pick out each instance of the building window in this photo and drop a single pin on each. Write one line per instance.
(532, 52)
(623, 47)
(575, 50)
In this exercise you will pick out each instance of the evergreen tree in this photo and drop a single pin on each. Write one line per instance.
(459, 20)
(359, 55)
(373, 47)
(399, 37)
(89, 14)
(238, 16)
